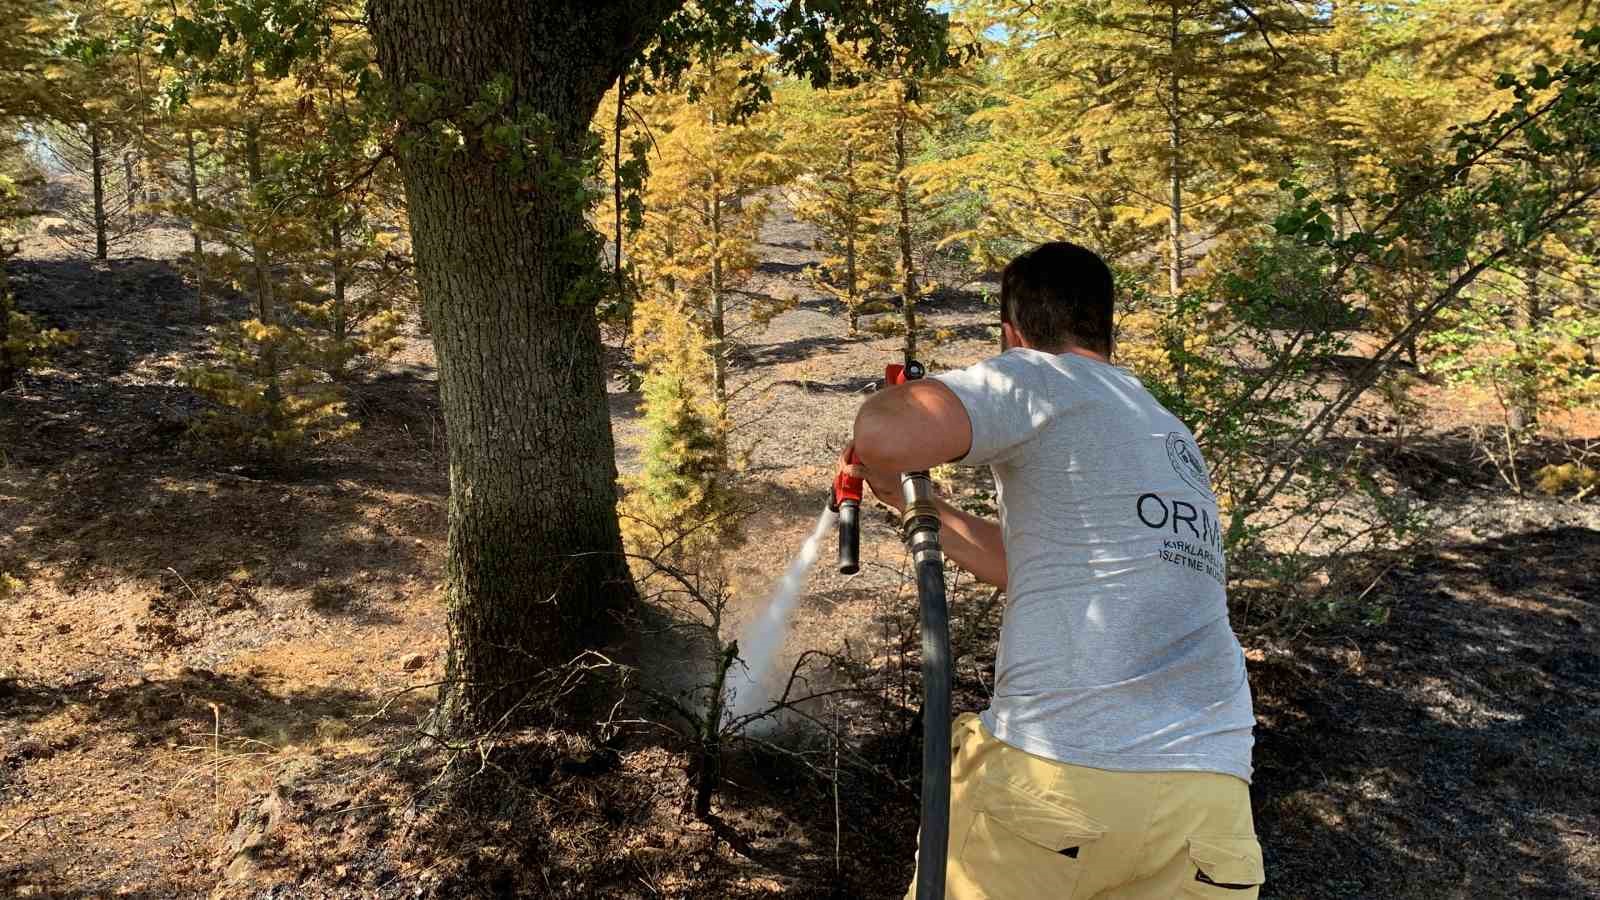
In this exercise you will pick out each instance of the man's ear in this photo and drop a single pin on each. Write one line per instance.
(1010, 336)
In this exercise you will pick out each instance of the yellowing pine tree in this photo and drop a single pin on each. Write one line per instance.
(290, 233)
(861, 144)
(1149, 115)
(1036, 176)
(330, 169)
(101, 100)
(683, 502)
(1411, 71)
(704, 204)
(844, 192)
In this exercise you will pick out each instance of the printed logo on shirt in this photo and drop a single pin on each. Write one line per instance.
(1185, 459)
(1196, 542)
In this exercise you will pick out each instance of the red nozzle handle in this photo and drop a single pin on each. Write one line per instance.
(846, 501)
(845, 498)
(846, 487)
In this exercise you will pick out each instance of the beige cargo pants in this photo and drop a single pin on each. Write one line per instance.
(1027, 828)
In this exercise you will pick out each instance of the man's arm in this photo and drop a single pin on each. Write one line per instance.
(976, 544)
(917, 426)
(913, 426)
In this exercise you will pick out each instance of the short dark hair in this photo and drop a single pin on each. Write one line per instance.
(1059, 295)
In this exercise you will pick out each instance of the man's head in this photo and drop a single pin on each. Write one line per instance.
(1056, 298)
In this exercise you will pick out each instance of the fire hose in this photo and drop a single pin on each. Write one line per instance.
(919, 526)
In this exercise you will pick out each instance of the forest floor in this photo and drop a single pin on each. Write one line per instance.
(210, 654)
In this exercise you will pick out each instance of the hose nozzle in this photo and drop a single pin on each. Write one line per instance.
(845, 500)
(845, 496)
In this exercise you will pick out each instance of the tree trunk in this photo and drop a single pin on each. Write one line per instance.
(1526, 317)
(1175, 186)
(341, 325)
(719, 328)
(253, 174)
(616, 192)
(1586, 303)
(258, 260)
(709, 765)
(194, 232)
(1175, 340)
(852, 299)
(130, 182)
(1409, 346)
(97, 174)
(509, 273)
(908, 269)
(1339, 177)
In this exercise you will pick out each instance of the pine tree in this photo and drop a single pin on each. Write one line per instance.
(293, 217)
(682, 504)
(843, 194)
(705, 201)
(1365, 106)
(897, 101)
(330, 169)
(1419, 67)
(866, 189)
(1021, 153)
(1117, 117)
(269, 397)
(95, 123)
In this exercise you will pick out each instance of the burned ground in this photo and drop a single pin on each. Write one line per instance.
(199, 639)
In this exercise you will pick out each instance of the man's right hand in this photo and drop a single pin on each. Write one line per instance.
(885, 485)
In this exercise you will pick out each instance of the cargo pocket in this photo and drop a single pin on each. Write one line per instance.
(1022, 846)
(1225, 866)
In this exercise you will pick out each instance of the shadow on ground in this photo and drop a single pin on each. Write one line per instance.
(165, 719)
(1450, 752)
(111, 486)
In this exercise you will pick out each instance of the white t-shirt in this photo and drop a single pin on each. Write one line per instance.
(1115, 651)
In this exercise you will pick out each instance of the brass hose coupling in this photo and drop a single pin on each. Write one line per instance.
(919, 523)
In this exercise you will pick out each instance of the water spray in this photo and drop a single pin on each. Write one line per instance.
(763, 638)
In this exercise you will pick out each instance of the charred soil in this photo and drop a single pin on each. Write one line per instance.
(213, 678)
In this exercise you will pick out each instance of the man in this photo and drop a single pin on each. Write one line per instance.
(1114, 759)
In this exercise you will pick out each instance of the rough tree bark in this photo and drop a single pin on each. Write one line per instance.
(535, 572)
